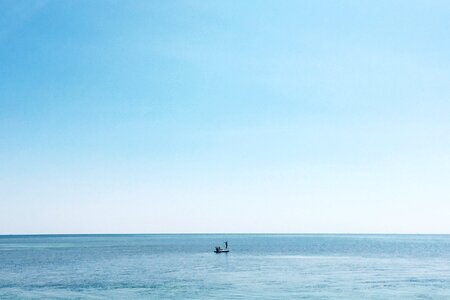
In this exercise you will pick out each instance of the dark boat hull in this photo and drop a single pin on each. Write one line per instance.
(221, 251)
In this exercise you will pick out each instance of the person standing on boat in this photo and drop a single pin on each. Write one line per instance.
(226, 245)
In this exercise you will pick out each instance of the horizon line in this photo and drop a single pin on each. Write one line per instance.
(221, 233)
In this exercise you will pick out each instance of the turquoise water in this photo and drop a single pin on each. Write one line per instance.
(258, 267)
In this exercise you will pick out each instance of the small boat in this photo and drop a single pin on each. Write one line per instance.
(221, 250)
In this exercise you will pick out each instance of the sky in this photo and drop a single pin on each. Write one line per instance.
(224, 116)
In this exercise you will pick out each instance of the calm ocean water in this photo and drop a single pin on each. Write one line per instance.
(258, 267)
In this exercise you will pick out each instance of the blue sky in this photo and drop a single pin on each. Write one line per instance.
(224, 116)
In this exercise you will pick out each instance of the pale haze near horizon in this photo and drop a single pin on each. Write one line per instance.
(232, 116)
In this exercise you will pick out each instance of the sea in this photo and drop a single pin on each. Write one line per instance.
(258, 266)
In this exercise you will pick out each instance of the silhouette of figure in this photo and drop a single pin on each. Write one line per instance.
(226, 244)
